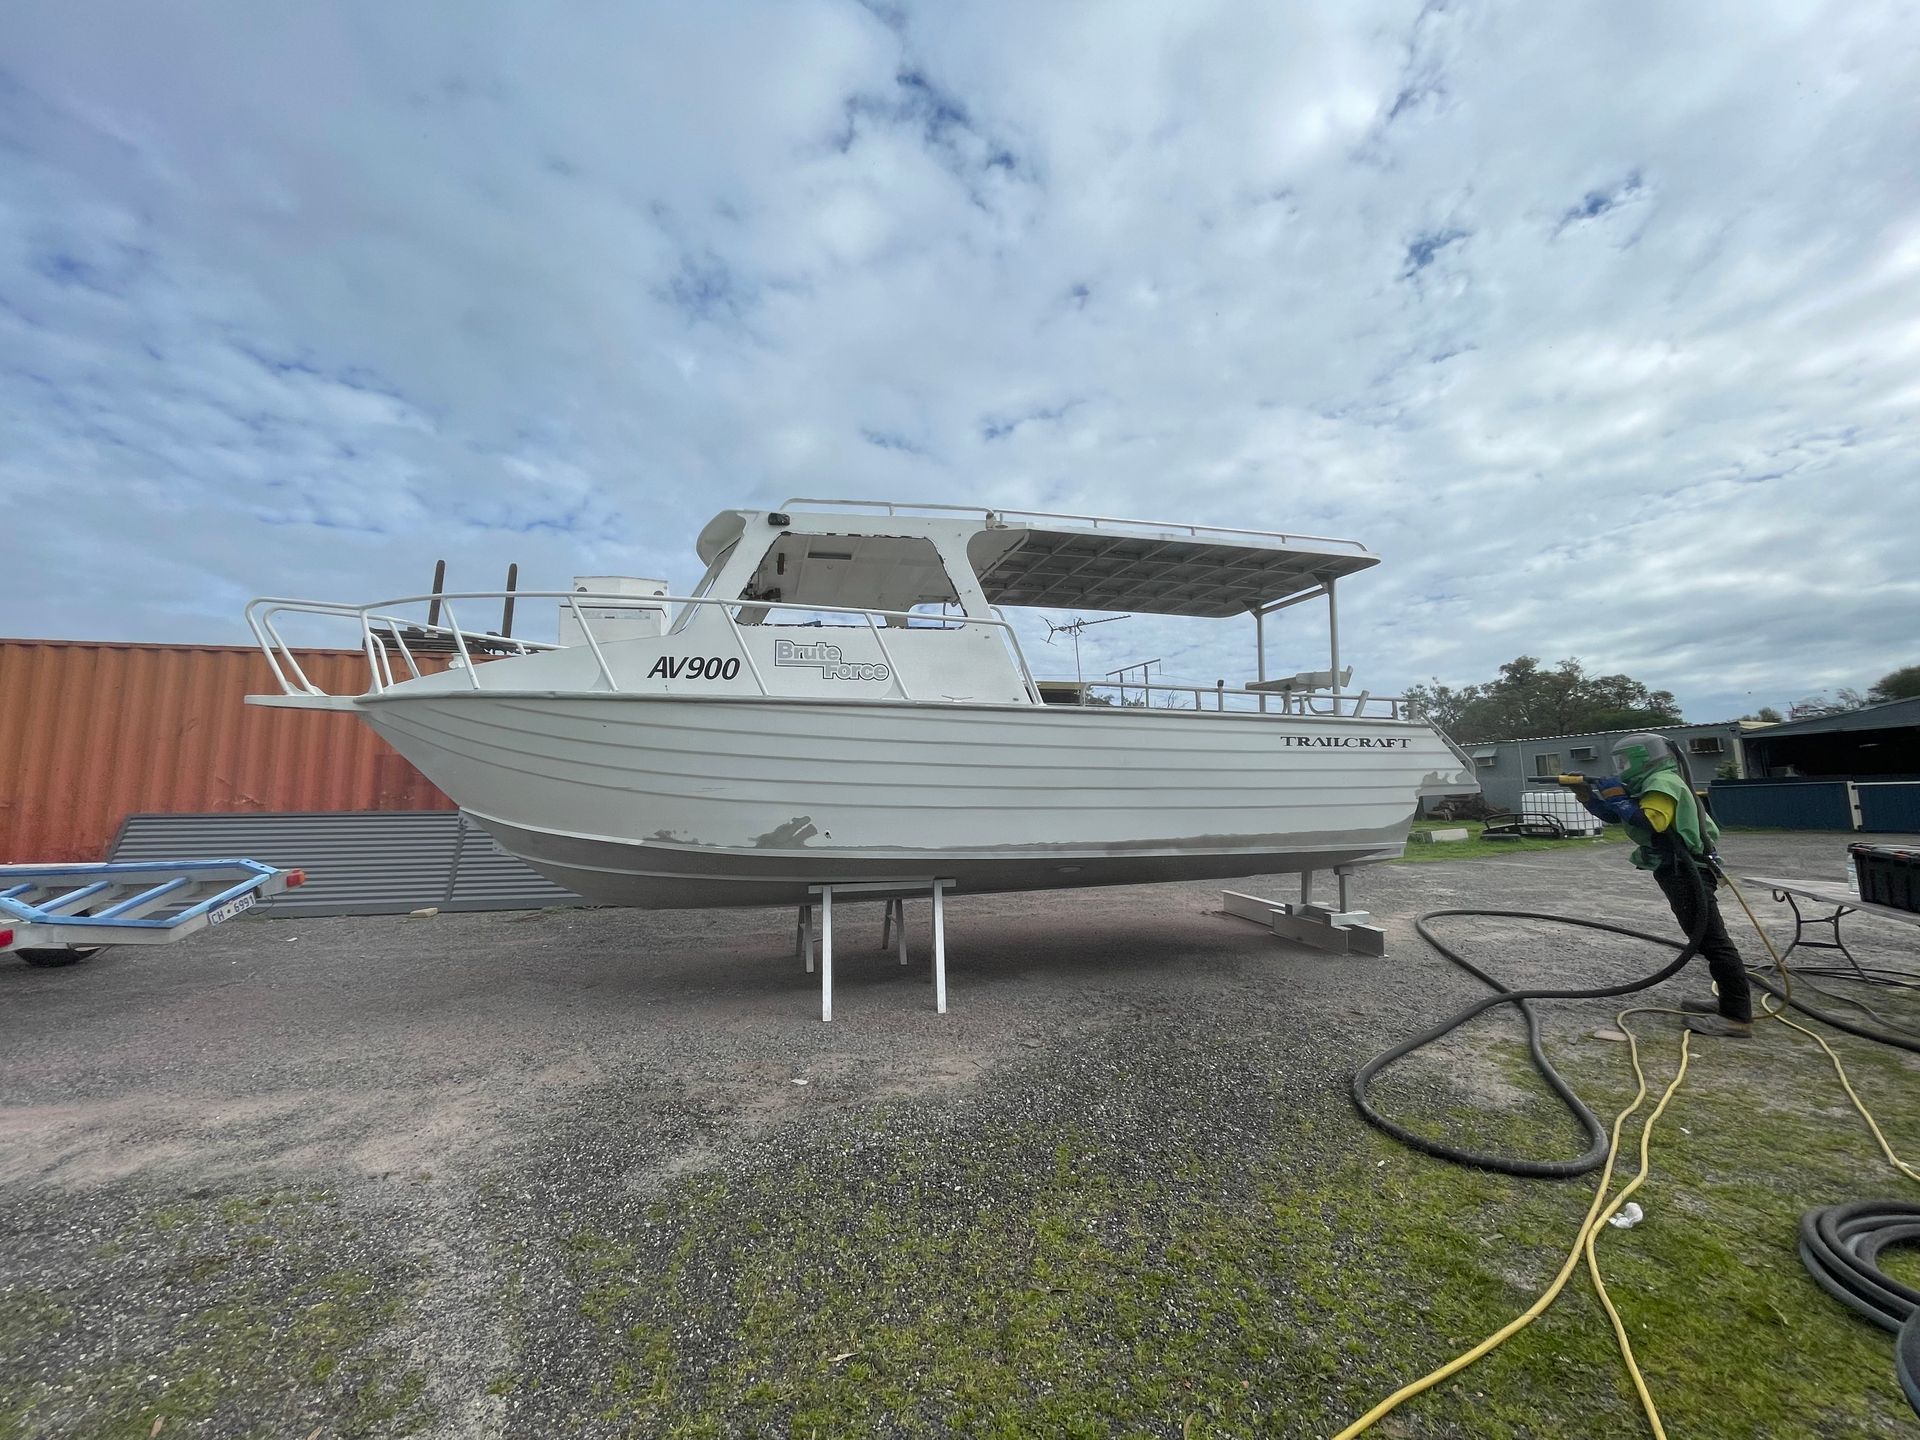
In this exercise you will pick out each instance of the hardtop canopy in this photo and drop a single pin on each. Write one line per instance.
(1057, 561)
(1159, 570)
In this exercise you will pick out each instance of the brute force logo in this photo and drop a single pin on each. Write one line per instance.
(827, 659)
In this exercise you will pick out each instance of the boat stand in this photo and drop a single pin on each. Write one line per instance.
(1342, 931)
(893, 930)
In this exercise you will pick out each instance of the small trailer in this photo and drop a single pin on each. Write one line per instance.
(61, 914)
(1524, 827)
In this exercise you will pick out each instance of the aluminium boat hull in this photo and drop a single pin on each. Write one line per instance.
(670, 802)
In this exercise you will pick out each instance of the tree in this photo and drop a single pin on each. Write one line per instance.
(1902, 684)
(1530, 700)
(1442, 704)
(1816, 706)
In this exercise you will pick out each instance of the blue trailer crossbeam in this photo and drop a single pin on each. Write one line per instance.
(128, 902)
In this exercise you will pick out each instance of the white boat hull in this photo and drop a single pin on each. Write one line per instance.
(674, 802)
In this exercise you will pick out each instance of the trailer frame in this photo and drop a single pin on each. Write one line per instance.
(128, 902)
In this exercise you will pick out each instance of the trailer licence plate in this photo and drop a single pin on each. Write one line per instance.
(229, 910)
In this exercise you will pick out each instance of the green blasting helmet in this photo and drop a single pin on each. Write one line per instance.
(1637, 756)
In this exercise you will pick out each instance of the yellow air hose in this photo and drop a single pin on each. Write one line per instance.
(1626, 1193)
(1583, 1246)
(1786, 984)
(1595, 1217)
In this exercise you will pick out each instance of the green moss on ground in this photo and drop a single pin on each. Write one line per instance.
(1072, 1266)
(1041, 1284)
(232, 1315)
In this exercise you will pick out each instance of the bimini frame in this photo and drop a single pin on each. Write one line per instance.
(1112, 563)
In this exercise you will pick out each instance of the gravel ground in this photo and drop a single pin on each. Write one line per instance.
(382, 1176)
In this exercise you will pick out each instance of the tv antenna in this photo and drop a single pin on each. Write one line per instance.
(1073, 628)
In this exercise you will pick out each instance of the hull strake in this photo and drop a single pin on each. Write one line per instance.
(666, 877)
(673, 801)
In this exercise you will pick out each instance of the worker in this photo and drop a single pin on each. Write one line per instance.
(1651, 798)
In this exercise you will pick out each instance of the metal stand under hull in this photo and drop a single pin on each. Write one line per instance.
(667, 877)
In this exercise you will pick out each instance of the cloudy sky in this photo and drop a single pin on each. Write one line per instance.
(1600, 324)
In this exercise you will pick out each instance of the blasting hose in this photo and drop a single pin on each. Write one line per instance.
(1840, 1246)
(1597, 1143)
(1866, 1032)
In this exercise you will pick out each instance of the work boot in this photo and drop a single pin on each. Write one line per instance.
(1721, 1027)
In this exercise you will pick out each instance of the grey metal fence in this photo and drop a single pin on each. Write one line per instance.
(373, 862)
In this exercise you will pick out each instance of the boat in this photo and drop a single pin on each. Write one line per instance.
(843, 700)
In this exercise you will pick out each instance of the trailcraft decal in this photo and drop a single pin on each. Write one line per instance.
(827, 659)
(1348, 742)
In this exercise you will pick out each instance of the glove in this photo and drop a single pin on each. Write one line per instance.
(1606, 796)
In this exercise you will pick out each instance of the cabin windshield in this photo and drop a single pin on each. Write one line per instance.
(871, 572)
(687, 612)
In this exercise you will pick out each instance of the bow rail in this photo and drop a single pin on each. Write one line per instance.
(380, 628)
(396, 646)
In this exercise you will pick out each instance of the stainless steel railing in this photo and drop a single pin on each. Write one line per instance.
(378, 626)
(1320, 704)
(383, 633)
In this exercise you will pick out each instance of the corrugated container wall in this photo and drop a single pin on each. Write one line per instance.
(91, 733)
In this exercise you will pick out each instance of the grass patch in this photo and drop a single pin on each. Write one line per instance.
(1475, 848)
(232, 1315)
(1038, 1280)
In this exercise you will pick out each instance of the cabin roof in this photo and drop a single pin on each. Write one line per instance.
(1153, 570)
(1095, 562)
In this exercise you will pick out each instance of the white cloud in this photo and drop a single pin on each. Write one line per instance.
(1596, 324)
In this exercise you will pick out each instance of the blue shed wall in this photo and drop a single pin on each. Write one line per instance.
(1782, 804)
(1889, 806)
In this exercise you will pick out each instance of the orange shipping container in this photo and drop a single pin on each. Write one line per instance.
(92, 732)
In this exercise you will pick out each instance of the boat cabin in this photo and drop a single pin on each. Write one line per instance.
(919, 591)
(865, 602)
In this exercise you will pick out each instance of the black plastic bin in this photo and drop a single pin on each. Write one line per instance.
(1888, 875)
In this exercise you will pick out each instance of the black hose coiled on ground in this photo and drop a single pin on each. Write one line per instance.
(1865, 1032)
(1596, 1153)
(1840, 1246)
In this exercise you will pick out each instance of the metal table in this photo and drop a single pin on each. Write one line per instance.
(1845, 901)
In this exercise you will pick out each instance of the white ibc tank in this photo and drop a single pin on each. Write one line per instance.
(616, 618)
(1563, 805)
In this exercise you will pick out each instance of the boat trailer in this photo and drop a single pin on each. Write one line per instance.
(1531, 826)
(57, 914)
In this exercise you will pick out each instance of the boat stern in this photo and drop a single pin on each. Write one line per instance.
(1455, 779)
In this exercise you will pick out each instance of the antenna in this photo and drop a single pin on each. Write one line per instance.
(439, 584)
(1074, 627)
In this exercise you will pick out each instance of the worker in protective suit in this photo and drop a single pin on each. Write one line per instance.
(1651, 798)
